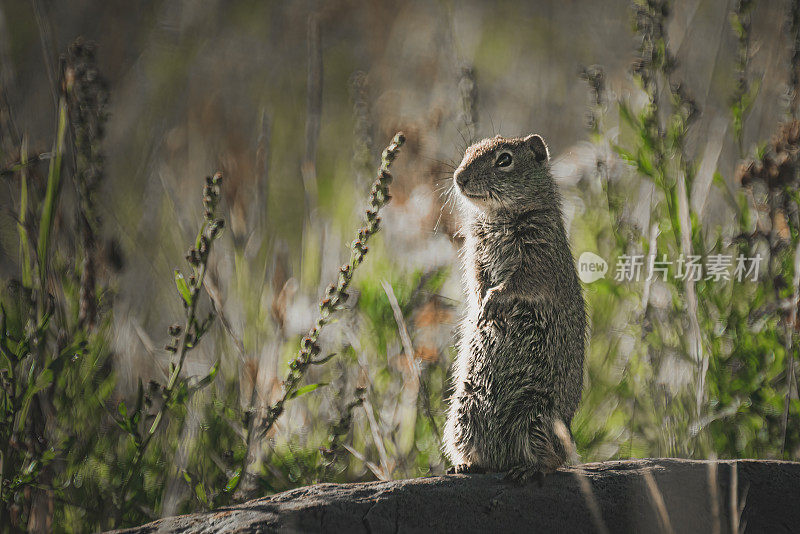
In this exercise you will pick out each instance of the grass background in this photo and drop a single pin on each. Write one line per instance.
(294, 103)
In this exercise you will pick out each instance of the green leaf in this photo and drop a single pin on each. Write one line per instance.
(35, 385)
(44, 380)
(49, 205)
(48, 456)
(644, 164)
(123, 424)
(30, 468)
(736, 25)
(206, 380)
(200, 491)
(3, 348)
(233, 481)
(627, 116)
(24, 241)
(626, 155)
(45, 320)
(183, 287)
(122, 409)
(156, 421)
(306, 389)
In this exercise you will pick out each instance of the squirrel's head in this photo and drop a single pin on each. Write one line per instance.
(510, 174)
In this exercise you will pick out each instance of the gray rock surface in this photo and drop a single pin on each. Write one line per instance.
(660, 495)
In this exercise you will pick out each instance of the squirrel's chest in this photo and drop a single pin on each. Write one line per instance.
(494, 260)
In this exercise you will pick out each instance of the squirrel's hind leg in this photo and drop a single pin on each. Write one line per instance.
(524, 473)
(545, 452)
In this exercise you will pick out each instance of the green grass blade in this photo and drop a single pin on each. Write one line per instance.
(24, 241)
(51, 195)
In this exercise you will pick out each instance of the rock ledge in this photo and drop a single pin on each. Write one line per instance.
(659, 495)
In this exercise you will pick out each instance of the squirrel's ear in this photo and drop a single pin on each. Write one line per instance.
(538, 147)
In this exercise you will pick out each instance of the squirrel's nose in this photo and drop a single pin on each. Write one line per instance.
(460, 177)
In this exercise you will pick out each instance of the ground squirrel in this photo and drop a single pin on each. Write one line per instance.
(519, 370)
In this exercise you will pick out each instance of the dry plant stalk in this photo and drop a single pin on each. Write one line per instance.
(184, 337)
(333, 301)
(658, 502)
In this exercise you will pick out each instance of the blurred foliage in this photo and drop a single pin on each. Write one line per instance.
(101, 428)
(704, 368)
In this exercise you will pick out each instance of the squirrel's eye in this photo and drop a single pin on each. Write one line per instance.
(503, 160)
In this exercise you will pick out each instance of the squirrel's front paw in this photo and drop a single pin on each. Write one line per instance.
(493, 306)
(464, 469)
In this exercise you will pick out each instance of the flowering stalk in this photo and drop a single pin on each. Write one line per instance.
(184, 337)
(86, 94)
(338, 432)
(335, 296)
(744, 94)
